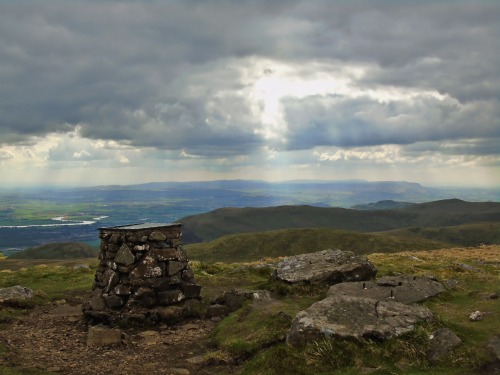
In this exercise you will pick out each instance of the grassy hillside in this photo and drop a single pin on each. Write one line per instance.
(382, 205)
(285, 242)
(63, 250)
(224, 221)
(460, 235)
(250, 340)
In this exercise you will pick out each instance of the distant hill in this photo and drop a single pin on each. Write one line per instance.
(382, 205)
(64, 250)
(286, 242)
(224, 221)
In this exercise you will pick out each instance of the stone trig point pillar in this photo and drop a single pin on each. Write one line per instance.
(143, 275)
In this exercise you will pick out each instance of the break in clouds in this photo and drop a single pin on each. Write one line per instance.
(248, 82)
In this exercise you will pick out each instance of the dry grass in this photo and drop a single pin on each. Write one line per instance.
(444, 263)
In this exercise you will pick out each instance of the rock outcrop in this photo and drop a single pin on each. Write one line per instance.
(343, 316)
(401, 288)
(327, 266)
(375, 310)
(15, 293)
(232, 300)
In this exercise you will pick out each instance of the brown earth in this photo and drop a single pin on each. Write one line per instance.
(54, 338)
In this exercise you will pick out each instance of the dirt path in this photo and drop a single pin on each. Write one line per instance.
(55, 338)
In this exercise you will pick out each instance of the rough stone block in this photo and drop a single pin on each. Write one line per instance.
(157, 236)
(148, 268)
(168, 283)
(115, 238)
(113, 301)
(96, 302)
(327, 266)
(110, 279)
(188, 275)
(122, 290)
(124, 256)
(170, 297)
(170, 313)
(145, 297)
(217, 310)
(98, 336)
(15, 293)
(165, 254)
(174, 267)
(191, 290)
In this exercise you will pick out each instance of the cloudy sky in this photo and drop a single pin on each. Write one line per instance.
(118, 92)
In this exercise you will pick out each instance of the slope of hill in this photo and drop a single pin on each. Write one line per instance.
(64, 250)
(286, 242)
(224, 221)
(460, 235)
(382, 205)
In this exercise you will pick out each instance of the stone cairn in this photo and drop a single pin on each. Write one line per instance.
(143, 276)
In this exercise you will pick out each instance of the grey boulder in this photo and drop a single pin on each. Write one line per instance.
(330, 266)
(343, 316)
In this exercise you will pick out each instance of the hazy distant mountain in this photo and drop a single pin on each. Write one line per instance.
(256, 193)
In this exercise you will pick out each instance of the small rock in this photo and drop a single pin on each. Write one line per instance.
(98, 336)
(190, 326)
(179, 371)
(493, 295)
(149, 337)
(170, 313)
(466, 267)
(442, 343)
(198, 360)
(81, 267)
(476, 316)
(450, 283)
(494, 346)
(217, 310)
(17, 292)
(157, 236)
(54, 369)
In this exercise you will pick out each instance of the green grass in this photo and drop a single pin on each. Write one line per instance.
(50, 281)
(254, 333)
(256, 326)
(225, 221)
(63, 250)
(216, 278)
(285, 242)
(460, 235)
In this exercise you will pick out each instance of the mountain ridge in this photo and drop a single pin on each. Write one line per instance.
(223, 221)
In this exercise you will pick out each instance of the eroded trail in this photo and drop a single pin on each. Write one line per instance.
(54, 338)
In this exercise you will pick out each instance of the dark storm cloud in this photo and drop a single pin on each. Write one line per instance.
(164, 74)
(346, 122)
